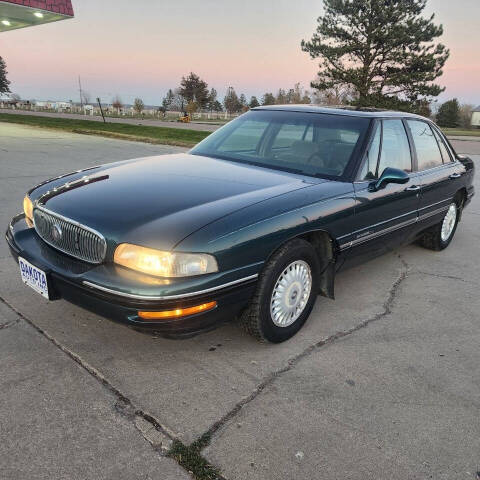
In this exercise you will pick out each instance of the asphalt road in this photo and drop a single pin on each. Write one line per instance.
(382, 383)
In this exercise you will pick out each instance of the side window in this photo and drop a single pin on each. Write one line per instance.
(428, 153)
(395, 148)
(371, 156)
(441, 143)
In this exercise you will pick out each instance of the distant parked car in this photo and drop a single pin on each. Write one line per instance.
(254, 221)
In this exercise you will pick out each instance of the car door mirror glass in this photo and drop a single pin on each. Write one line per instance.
(389, 175)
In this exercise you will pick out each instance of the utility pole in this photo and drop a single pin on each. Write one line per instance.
(101, 109)
(81, 94)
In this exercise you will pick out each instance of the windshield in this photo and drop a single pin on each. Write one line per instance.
(315, 144)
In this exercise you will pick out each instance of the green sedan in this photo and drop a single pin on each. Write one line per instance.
(251, 224)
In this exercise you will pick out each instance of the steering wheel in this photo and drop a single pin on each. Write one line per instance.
(313, 156)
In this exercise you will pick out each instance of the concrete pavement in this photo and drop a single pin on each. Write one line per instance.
(381, 383)
(59, 422)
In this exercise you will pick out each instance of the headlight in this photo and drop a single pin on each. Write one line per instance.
(28, 210)
(164, 264)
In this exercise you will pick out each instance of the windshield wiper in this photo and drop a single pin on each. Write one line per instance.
(327, 176)
(273, 166)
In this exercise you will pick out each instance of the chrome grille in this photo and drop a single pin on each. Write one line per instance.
(69, 237)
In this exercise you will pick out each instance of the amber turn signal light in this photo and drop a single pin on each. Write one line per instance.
(178, 312)
(28, 210)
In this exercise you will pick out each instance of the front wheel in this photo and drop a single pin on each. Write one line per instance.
(439, 236)
(285, 295)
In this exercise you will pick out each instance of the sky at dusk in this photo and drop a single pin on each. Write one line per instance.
(143, 47)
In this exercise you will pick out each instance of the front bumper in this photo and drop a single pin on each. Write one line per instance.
(119, 295)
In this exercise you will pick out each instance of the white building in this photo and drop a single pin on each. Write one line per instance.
(62, 106)
(476, 117)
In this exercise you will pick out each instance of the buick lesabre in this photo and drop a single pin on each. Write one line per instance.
(253, 223)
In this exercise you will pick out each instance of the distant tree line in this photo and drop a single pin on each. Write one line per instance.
(193, 95)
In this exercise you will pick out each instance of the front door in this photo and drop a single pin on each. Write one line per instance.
(383, 218)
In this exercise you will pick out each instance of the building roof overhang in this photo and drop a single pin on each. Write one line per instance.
(14, 14)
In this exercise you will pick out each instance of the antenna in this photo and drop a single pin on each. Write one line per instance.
(81, 94)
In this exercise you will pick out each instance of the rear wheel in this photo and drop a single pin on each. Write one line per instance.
(439, 236)
(285, 295)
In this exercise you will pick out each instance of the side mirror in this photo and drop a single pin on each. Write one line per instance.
(389, 175)
(467, 161)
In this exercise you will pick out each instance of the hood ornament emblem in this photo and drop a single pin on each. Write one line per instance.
(56, 232)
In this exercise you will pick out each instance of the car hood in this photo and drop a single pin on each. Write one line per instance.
(158, 201)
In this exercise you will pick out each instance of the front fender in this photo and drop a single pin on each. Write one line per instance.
(249, 236)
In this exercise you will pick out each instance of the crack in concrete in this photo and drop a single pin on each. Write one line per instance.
(8, 324)
(439, 275)
(123, 404)
(292, 362)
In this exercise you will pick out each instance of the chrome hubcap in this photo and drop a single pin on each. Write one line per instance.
(449, 222)
(291, 293)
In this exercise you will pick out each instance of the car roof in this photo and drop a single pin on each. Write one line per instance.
(340, 110)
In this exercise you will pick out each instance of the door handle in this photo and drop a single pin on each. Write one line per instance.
(455, 175)
(413, 188)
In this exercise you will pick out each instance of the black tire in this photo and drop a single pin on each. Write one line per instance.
(432, 238)
(257, 318)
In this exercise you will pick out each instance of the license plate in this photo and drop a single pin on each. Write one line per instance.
(33, 277)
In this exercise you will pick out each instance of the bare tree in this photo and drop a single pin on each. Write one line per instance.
(334, 96)
(298, 94)
(192, 107)
(138, 105)
(117, 103)
(86, 97)
(281, 98)
(231, 101)
(466, 111)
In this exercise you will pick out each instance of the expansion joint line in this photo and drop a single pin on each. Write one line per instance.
(123, 403)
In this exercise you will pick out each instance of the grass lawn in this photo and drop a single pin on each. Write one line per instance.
(474, 132)
(161, 135)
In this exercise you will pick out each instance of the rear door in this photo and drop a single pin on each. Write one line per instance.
(384, 218)
(439, 173)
